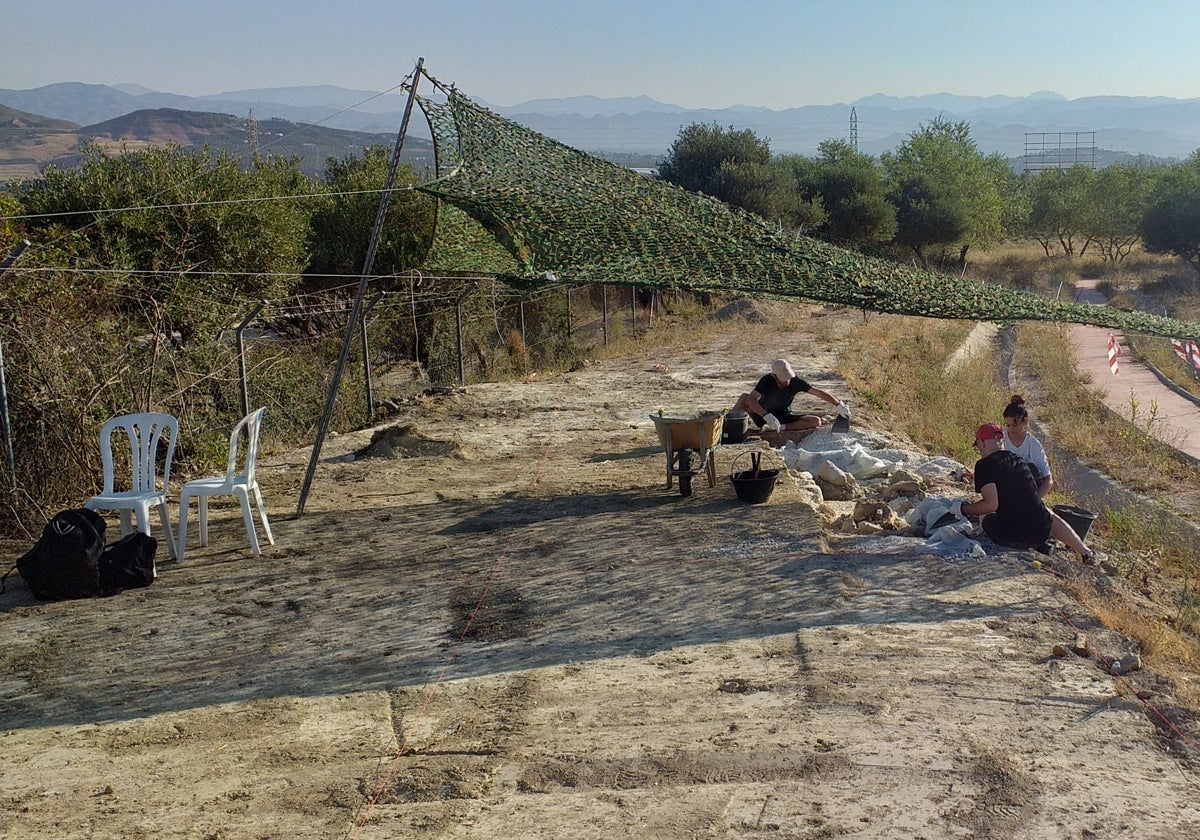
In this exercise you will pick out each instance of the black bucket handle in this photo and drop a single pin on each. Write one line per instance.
(756, 461)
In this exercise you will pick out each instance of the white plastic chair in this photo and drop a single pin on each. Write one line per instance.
(146, 433)
(232, 483)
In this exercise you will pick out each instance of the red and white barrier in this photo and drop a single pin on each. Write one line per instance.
(1114, 350)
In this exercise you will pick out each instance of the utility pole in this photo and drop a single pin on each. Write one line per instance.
(853, 129)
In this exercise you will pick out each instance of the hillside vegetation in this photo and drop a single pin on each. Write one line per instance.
(29, 143)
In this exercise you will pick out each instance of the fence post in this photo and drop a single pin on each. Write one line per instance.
(241, 348)
(633, 310)
(570, 336)
(8, 443)
(366, 352)
(524, 340)
(458, 323)
(604, 312)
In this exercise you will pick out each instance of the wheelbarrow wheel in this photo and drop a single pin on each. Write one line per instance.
(685, 472)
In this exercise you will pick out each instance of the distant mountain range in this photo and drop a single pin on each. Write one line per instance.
(1158, 127)
(29, 142)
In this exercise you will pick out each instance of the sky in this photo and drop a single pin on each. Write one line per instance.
(693, 53)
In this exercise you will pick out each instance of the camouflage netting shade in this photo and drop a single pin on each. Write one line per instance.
(521, 206)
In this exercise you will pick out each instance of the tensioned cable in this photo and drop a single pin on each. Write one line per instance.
(185, 181)
(130, 208)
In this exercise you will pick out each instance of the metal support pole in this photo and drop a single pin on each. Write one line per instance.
(241, 348)
(524, 340)
(368, 264)
(570, 336)
(7, 426)
(633, 310)
(458, 323)
(366, 353)
(8, 443)
(604, 312)
(13, 255)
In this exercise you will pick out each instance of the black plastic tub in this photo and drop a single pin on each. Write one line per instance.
(1079, 519)
(754, 488)
(737, 423)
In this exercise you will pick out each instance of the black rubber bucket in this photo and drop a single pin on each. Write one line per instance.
(753, 490)
(737, 423)
(754, 486)
(1079, 519)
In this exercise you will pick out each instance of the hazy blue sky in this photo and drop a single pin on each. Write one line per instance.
(695, 53)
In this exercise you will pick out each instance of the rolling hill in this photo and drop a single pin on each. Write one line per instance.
(29, 142)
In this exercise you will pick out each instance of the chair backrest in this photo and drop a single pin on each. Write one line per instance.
(252, 423)
(144, 433)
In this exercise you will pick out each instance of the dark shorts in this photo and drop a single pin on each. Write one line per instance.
(784, 418)
(1028, 536)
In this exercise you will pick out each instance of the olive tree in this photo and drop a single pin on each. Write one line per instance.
(945, 191)
(191, 230)
(1171, 221)
(849, 186)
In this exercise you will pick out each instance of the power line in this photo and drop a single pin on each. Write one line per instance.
(130, 208)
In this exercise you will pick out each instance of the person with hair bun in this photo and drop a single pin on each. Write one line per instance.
(1012, 514)
(1018, 440)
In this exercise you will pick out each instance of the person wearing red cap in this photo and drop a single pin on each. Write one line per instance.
(1014, 515)
(770, 403)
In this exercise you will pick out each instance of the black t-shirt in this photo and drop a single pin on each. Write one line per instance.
(776, 400)
(1019, 512)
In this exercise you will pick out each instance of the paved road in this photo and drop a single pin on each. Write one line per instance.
(1177, 421)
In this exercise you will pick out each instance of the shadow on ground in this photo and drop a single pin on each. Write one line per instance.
(388, 597)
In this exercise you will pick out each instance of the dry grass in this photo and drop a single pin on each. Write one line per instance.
(897, 364)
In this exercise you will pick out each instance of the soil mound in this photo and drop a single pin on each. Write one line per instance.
(754, 311)
(404, 441)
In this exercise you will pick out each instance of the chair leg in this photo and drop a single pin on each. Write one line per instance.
(126, 521)
(166, 523)
(184, 502)
(247, 517)
(262, 512)
(202, 505)
(143, 519)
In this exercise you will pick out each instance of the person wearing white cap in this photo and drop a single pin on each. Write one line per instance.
(770, 403)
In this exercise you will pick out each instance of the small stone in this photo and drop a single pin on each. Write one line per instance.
(901, 488)
(903, 475)
(1060, 651)
(1126, 665)
(1080, 645)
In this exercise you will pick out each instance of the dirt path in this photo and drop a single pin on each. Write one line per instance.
(515, 630)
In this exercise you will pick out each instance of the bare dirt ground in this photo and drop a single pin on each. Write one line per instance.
(510, 628)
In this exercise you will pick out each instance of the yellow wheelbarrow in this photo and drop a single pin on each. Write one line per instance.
(689, 443)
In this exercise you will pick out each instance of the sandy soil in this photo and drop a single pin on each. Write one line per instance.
(511, 628)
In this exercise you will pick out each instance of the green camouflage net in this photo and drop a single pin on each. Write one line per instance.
(559, 214)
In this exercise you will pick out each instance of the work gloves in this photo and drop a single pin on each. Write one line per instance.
(772, 422)
(843, 410)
